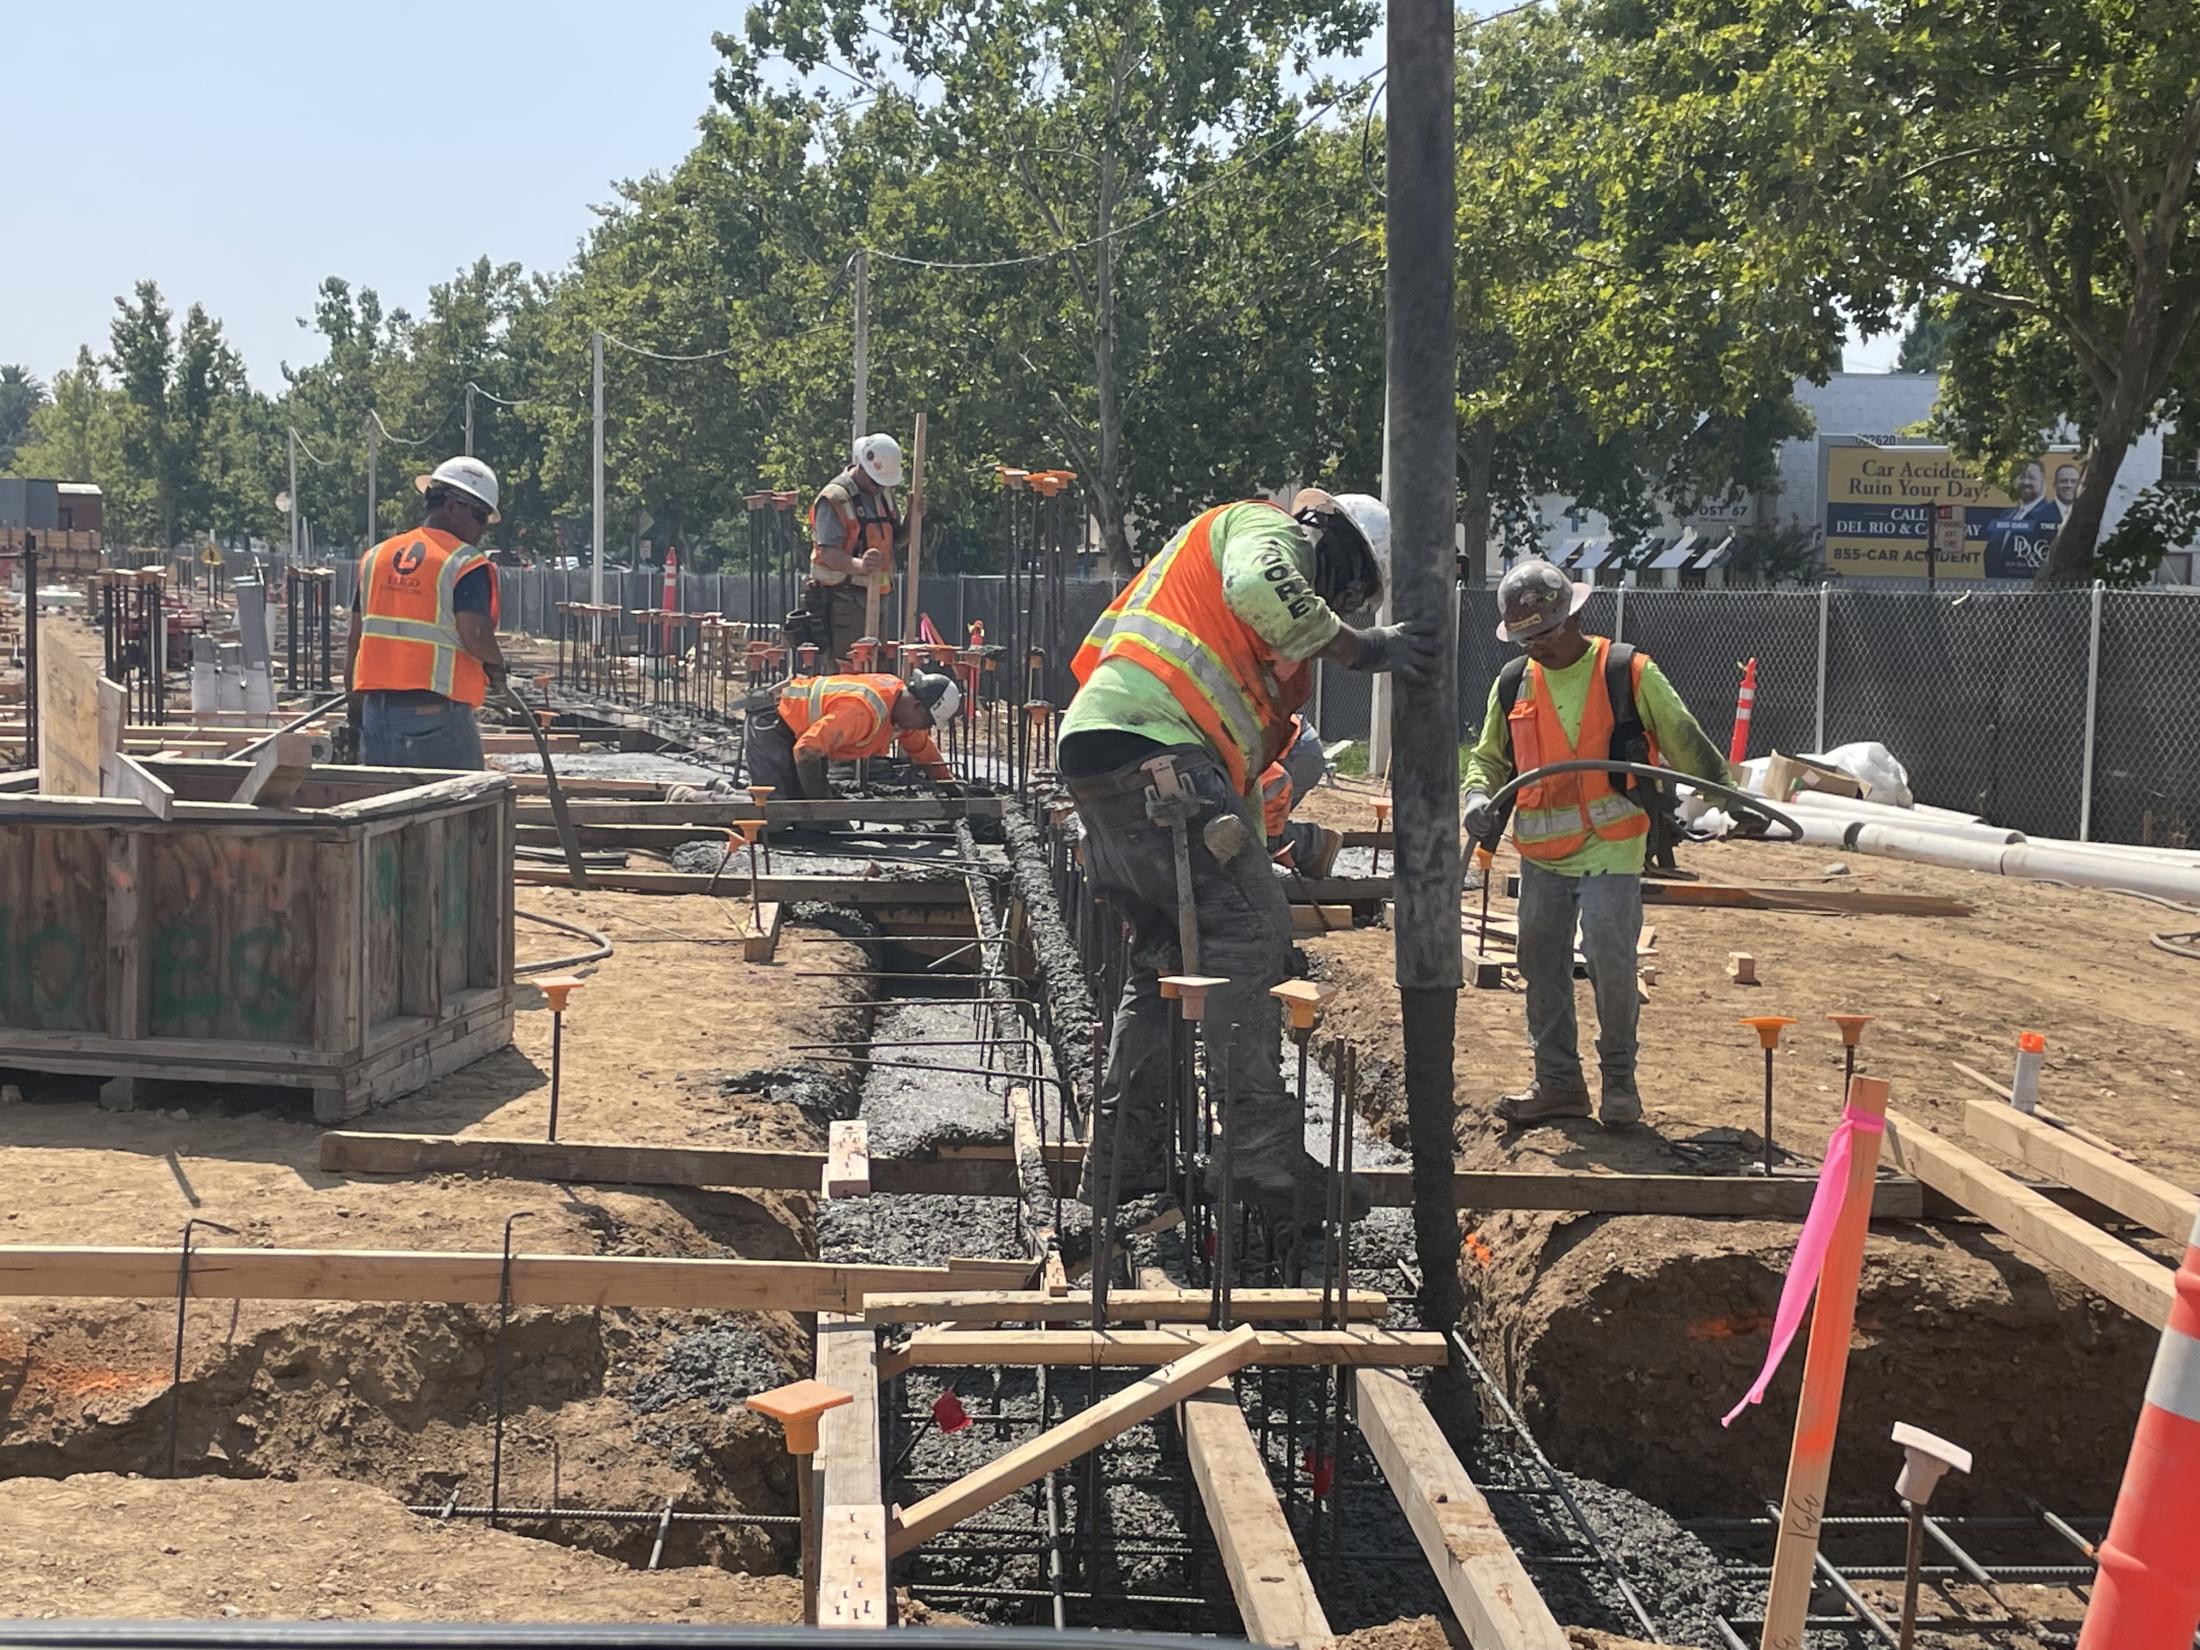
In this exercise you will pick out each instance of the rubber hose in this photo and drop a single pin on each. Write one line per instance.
(601, 951)
(1746, 799)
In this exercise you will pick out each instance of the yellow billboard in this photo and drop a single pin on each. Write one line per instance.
(1881, 503)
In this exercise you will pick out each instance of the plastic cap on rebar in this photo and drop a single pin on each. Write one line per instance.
(1852, 1027)
(761, 794)
(1925, 1458)
(1768, 1028)
(1191, 991)
(2031, 1042)
(796, 1408)
(1303, 1000)
(558, 989)
(1382, 814)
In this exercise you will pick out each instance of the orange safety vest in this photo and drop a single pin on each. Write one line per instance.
(867, 520)
(408, 627)
(804, 700)
(1555, 817)
(1173, 620)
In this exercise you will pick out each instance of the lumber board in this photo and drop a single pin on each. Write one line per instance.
(1200, 1366)
(851, 1566)
(1480, 1573)
(1275, 1596)
(1311, 919)
(421, 1276)
(784, 889)
(282, 765)
(714, 815)
(1697, 1195)
(2159, 1205)
(2051, 1119)
(847, 1159)
(125, 778)
(847, 1489)
(1159, 1305)
(761, 943)
(2139, 1284)
(1839, 901)
(69, 748)
(1133, 1348)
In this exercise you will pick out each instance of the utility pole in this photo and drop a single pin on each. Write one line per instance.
(863, 345)
(595, 585)
(1422, 373)
(295, 510)
(374, 454)
(469, 418)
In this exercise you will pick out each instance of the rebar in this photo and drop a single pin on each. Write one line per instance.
(183, 1296)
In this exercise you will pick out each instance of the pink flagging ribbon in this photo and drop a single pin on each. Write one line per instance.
(926, 630)
(1810, 1250)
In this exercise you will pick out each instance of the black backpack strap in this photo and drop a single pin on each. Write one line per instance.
(1511, 676)
(1619, 689)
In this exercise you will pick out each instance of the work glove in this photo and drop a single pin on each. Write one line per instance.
(873, 561)
(947, 790)
(1481, 818)
(1412, 649)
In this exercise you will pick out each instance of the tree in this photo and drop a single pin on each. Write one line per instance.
(21, 395)
(1925, 346)
(2027, 170)
(183, 405)
(1073, 121)
(77, 434)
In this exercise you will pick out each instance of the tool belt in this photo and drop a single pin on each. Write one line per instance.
(1133, 779)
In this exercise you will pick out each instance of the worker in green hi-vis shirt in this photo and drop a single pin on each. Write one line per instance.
(1581, 836)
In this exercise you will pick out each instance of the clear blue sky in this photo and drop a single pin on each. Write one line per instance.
(237, 153)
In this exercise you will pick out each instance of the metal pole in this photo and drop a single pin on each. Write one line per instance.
(1421, 368)
(1619, 612)
(2092, 712)
(469, 418)
(294, 509)
(1825, 606)
(863, 346)
(374, 456)
(595, 585)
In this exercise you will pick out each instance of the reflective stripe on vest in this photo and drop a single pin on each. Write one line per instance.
(420, 650)
(808, 700)
(1221, 673)
(1557, 816)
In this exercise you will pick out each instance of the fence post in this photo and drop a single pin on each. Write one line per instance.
(1825, 603)
(2092, 710)
(1619, 615)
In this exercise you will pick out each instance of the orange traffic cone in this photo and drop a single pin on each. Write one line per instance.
(2148, 1594)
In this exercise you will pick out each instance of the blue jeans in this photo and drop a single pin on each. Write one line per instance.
(424, 730)
(1609, 911)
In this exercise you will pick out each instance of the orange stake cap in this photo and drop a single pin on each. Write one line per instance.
(1303, 1000)
(1852, 1027)
(1191, 990)
(797, 1407)
(761, 794)
(559, 988)
(1382, 815)
(1769, 1027)
(2031, 1042)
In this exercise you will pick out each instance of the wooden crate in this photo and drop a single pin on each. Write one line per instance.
(357, 942)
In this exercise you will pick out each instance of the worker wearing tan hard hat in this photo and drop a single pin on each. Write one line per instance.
(1581, 836)
(853, 528)
(422, 655)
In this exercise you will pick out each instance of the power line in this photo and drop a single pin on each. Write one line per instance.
(660, 355)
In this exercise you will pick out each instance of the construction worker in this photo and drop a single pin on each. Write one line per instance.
(422, 654)
(825, 719)
(852, 531)
(1186, 689)
(1299, 844)
(1581, 836)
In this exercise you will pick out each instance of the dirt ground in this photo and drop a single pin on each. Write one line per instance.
(608, 1407)
(323, 1550)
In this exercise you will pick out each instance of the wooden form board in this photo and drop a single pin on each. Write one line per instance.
(1135, 1348)
(1166, 1304)
(1839, 901)
(69, 747)
(715, 814)
(881, 890)
(847, 1159)
(2139, 1284)
(467, 1279)
(1268, 1578)
(1200, 1366)
(2157, 1204)
(851, 1569)
(1480, 1573)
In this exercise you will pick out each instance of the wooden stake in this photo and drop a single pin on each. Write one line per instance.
(916, 532)
(1825, 1367)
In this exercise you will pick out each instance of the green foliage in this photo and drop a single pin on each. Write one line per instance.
(2159, 520)
(1926, 346)
(186, 421)
(21, 395)
(77, 434)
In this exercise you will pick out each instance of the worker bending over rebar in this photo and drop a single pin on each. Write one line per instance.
(820, 720)
(1187, 687)
(1581, 836)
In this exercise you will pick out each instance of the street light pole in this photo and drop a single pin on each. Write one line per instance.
(595, 585)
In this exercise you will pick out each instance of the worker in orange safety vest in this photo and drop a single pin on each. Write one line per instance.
(1581, 836)
(1303, 846)
(1187, 687)
(853, 527)
(825, 719)
(422, 654)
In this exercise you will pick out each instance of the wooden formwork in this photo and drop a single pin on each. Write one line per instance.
(356, 942)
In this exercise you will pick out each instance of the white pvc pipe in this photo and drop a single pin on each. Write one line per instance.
(2077, 863)
(1855, 812)
(1928, 847)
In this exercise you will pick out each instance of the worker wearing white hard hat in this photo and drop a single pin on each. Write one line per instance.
(422, 655)
(1188, 687)
(853, 527)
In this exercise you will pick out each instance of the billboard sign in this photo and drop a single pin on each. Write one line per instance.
(1885, 507)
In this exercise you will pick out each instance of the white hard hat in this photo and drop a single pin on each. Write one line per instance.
(1372, 517)
(880, 459)
(464, 475)
(940, 691)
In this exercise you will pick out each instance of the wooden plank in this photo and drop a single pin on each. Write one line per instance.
(1696, 1195)
(2140, 1285)
(69, 750)
(126, 778)
(281, 766)
(128, 996)
(1166, 1304)
(1135, 1348)
(1275, 1596)
(761, 943)
(1060, 1445)
(417, 1275)
(785, 889)
(716, 814)
(2157, 1204)
(847, 1489)
(2052, 1119)
(1848, 901)
(1320, 919)
(1480, 1573)
(851, 1566)
(339, 980)
(420, 918)
(847, 1159)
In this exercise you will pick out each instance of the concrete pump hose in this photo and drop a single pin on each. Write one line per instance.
(1749, 801)
(601, 945)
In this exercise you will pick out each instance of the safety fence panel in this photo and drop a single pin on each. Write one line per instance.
(1701, 639)
(2146, 756)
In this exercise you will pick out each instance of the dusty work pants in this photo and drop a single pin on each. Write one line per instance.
(1244, 937)
(767, 747)
(418, 730)
(1609, 910)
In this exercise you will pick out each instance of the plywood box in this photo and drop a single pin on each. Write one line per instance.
(356, 942)
(1785, 776)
